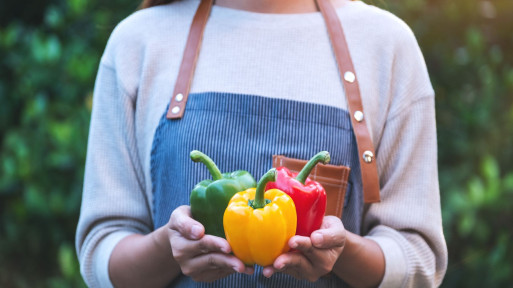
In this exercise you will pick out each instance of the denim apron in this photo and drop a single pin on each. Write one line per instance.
(243, 132)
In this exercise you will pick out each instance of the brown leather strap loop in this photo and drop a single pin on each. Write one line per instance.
(370, 180)
(190, 56)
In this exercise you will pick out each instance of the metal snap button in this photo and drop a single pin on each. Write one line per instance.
(179, 97)
(175, 110)
(368, 156)
(349, 76)
(358, 116)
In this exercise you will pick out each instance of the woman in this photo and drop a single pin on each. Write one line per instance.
(266, 82)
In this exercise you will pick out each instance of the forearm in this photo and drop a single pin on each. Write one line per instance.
(362, 263)
(143, 261)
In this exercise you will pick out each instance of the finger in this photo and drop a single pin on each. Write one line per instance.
(184, 249)
(302, 244)
(250, 270)
(268, 271)
(322, 259)
(305, 246)
(292, 260)
(331, 221)
(182, 221)
(295, 265)
(332, 234)
(215, 261)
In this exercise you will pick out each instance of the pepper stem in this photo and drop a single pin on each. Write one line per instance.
(323, 156)
(198, 156)
(260, 202)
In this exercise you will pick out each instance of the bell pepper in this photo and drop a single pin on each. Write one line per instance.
(258, 226)
(309, 196)
(209, 198)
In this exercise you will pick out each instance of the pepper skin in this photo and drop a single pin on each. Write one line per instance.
(308, 195)
(259, 229)
(209, 198)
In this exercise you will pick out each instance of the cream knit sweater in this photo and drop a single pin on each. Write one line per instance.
(274, 55)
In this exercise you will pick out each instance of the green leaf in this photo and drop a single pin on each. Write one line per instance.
(467, 224)
(77, 6)
(61, 132)
(476, 192)
(508, 183)
(46, 49)
(475, 40)
(490, 171)
(53, 17)
(35, 200)
(67, 261)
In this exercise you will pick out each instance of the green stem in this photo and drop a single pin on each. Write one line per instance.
(323, 156)
(260, 202)
(197, 156)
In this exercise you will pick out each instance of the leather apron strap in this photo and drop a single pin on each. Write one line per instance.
(370, 180)
(190, 56)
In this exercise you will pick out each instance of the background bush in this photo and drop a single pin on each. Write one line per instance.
(50, 52)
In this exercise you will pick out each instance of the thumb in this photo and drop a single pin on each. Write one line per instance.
(332, 234)
(181, 221)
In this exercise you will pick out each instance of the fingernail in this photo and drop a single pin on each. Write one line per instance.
(293, 245)
(317, 237)
(196, 231)
(236, 269)
(249, 270)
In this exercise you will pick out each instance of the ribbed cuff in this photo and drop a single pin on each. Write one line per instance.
(395, 260)
(101, 257)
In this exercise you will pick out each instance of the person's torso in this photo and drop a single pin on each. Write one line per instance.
(264, 85)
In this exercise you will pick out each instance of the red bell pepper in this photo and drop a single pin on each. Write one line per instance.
(308, 195)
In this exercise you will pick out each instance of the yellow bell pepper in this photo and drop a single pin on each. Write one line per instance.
(259, 229)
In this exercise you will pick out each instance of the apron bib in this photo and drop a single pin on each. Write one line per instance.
(244, 132)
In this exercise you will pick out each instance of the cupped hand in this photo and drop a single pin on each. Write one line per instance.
(204, 258)
(312, 257)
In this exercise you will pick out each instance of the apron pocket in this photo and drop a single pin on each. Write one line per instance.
(334, 179)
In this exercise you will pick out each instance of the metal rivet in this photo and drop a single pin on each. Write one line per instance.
(368, 156)
(349, 76)
(358, 115)
(179, 97)
(175, 110)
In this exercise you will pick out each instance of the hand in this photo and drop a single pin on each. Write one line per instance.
(202, 257)
(315, 256)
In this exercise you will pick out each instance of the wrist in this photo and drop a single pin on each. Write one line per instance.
(143, 261)
(361, 263)
(352, 247)
(160, 240)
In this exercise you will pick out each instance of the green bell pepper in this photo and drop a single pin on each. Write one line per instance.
(209, 198)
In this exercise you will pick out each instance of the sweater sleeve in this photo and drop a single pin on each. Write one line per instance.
(407, 223)
(114, 204)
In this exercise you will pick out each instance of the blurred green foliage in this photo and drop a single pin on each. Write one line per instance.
(50, 52)
(468, 47)
(469, 52)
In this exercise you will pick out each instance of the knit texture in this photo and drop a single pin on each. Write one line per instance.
(277, 56)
